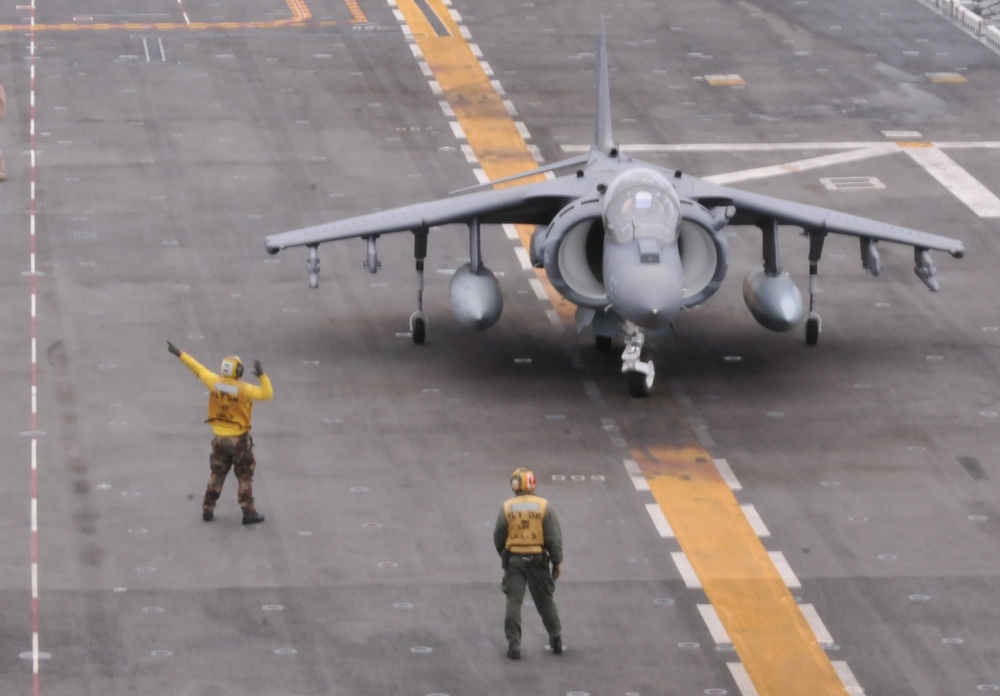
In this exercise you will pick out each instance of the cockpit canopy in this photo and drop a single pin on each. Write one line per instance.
(641, 203)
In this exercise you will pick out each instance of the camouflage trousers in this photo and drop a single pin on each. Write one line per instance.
(231, 453)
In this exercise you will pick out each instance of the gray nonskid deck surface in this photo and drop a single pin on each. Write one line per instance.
(381, 465)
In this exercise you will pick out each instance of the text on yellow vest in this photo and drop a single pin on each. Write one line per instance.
(524, 515)
(226, 404)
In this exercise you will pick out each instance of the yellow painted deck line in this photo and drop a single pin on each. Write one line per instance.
(768, 630)
(488, 128)
(356, 12)
(299, 10)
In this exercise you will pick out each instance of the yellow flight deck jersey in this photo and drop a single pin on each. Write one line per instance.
(525, 514)
(230, 401)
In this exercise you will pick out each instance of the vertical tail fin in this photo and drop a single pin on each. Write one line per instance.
(603, 139)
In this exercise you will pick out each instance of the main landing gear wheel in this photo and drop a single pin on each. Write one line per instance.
(418, 327)
(640, 381)
(812, 330)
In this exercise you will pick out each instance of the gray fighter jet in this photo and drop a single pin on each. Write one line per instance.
(631, 244)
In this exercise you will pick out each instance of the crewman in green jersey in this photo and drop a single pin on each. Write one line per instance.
(230, 408)
(527, 537)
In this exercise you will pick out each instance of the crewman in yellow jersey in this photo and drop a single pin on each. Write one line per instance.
(528, 538)
(230, 407)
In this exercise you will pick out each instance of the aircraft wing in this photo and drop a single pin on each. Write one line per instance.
(752, 208)
(535, 203)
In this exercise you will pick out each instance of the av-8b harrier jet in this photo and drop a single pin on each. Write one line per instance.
(631, 244)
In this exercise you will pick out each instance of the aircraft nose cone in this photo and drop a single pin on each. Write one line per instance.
(647, 298)
(647, 294)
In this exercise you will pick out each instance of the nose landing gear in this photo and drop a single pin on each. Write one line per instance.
(637, 362)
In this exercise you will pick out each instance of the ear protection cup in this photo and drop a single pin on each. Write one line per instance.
(522, 480)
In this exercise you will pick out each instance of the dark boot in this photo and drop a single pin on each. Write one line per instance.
(514, 653)
(207, 515)
(252, 517)
(556, 643)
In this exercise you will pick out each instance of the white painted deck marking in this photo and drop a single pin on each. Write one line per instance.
(784, 569)
(962, 185)
(852, 183)
(851, 684)
(742, 679)
(755, 520)
(804, 165)
(638, 480)
(714, 623)
(929, 156)
(659, 520)
(657, 148)
(727, 474)
(539, 289)
(522, 256)
(686, 570)
(823, 636)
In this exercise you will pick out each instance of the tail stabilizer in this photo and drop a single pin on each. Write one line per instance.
(603, 140)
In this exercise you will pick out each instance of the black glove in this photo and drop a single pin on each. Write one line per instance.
(257, 369)
(173, 349)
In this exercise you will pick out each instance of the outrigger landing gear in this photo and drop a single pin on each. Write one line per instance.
(418, 320)
(813, 323)
(637, 362)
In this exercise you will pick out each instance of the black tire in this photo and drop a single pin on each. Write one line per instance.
(419, 330)
(640, 384)
(812, 331)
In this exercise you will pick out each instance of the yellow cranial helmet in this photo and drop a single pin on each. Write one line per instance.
(232, 366)
(522, 480)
